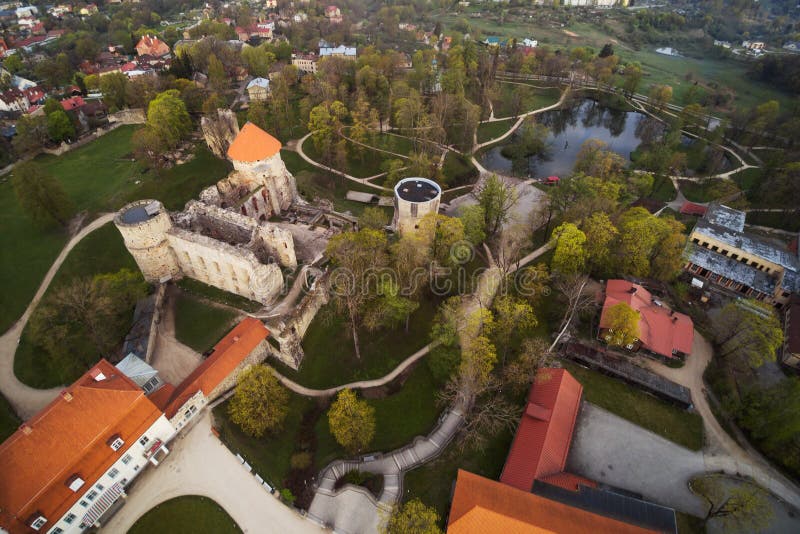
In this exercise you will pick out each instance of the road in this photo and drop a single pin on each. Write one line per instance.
(25, 399)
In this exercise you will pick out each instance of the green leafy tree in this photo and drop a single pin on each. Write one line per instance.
(660, 96)
(59, 126)
(394, 169)
(259, 114)
(114, 87)
(217, 77)
(325, 123)
(473, 219)
(623, 325)
(518, 373)
(595, 158)
(497, 199)
(570, 253)
(747, 332)
(168, 118)
(260, 403)
(13, 63)
(743, 507)
(633, 77)
(31, 134)
(413, 517)
(600, 234)
(258, 59)
(514, 320)
(351, 421)
(40, 194)
(51, 105)
(440, 233)
(373, 217)
(148, 148)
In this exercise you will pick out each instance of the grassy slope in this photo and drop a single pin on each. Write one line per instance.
(9, 421)
(200, 324)
(188, 514)
(102, 251)
(492, 130)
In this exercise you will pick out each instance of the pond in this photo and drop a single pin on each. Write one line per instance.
(569, 128)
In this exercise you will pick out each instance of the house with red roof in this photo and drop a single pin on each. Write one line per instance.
(73, 103)
(69, 465)
(152, 46)
(333, 14)
(535, 494)
(662, 331)
(692, 208)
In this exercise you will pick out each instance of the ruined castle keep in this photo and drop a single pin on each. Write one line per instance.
(223, 239)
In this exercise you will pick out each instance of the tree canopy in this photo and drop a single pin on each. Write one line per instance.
(260, 403)
(351, 421)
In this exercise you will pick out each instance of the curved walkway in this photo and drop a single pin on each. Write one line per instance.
(363, 181)
(363, 384)
(25, 399)
(723, 453)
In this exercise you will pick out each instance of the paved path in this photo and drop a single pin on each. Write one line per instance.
(199, 464)
(362, 384)
(722, 452)
(364, 181)
(25, 399)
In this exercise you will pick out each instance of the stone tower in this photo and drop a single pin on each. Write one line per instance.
(414, 198)
(144, 225)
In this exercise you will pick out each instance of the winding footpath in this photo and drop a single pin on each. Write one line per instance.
(363, 181)
(25, 399)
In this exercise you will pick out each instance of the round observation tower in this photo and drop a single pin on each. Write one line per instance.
(144, 225)
(414, 198)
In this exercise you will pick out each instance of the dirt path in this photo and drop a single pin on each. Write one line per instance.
(722, 452)
(25, 399)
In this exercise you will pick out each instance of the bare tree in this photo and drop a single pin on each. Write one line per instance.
(572, 287)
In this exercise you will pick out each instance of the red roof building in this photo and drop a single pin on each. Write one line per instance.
(483, 506)
(72, 103)
(544, 434)
(152, 46)
(253, 144)
(690, 208)
(662, 331)
(68, 453)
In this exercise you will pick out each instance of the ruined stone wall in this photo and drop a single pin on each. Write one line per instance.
(220, 131)
(280, 185)
(258, 355)
(294, 329)
(279, 243)
(234, 269)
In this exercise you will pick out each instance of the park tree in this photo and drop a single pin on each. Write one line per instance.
(445, 352)
(623, 325)
(59, 126)
(473, 219)
(395, 171)
(578, 196)
(31, 134)
(51, 105)
(40, 194)
(741, 507)
(373, 217)
(217, 77)
(258, 59)
(325, 125)
(362, 131)
(168, 118)
(114, 87)
(389, 308)
(148, 148)
(355, 255)
(497, 199)
(596, 159)
(667, 256)
(570, 251)
(600, 234)
(260, 403)
(633, 77)
(514, 320)
(747, 332)
(660, 96)
(351, 421)
(649, 245)
(519, 371)
(413, 517)
(441, 234)
(258, 113)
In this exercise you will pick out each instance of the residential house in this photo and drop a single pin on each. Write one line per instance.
(151, 45)
(258, 89)
(306, 63)
(14, 100)
(35, 95)
(88, 9)
(242, 34)
(723, 44)
(347, 52)
(262, 30)
(299, 17)
(662, 331)
(791, 333)
(528, 43)
(271, 4)
(334, 15)
(69, 465)
(535, 493)
(720, 251)
(3, 47)
(73, 103)
(754, 45)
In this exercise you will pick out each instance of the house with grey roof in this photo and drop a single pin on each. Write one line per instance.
(720, 250)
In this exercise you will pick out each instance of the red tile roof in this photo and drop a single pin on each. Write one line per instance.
(568, 481)
(73, 102)
(690, 208)
(253, 144)
(67, 437)
(544, 433)
(228, 353)
(483, 506)
(660, 329)
(151, 45)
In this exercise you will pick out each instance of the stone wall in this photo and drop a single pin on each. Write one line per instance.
(220, 131)
(128, 116)
(295, 326)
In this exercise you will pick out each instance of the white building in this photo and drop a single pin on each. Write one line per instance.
(414, 198)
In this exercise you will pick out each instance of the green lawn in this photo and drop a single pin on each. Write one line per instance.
(188, 514)
(400, 416)
(663, 190)
(531, 98)
(9, 421)
(492, 130)
(667, 420)
(357, 165)
(199, 323)
(195, 287)
(706, 190)
(330, 358)
(458, 170)
(102, 251)
(99, 176)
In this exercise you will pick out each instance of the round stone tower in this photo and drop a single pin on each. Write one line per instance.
(144, 225)
(414, 198)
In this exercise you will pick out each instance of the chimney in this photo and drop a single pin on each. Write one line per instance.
(632, 290)
(235, 339)
(26, 429)
(66, 395)
(674, 319)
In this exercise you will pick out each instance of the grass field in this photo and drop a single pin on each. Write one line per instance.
(200, 324)
(98, 177)
(492, 130)
(358, 166)
(102, 251)
(381, 351)
(194, 287)
(531, 98)
(663, 189)
(458, 170)
(9, 421)
(667, 420)
(188, 514)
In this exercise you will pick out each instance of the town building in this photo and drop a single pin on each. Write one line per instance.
(791, 333)
(535, 493)
(224, 239)
(150, 45)
(662, 331)
(721, 253)
(347, 52)
(67, 468)
(258, 89)
(414, 198)
(754, 45)
(333, 14)
(306, 63)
